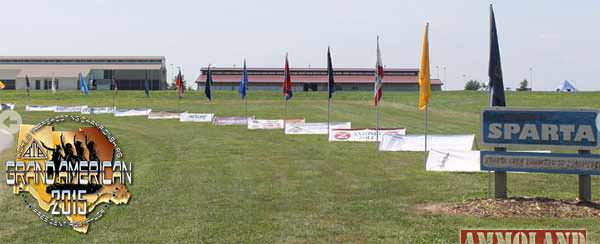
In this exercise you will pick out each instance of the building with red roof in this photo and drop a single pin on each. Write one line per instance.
(315, 79)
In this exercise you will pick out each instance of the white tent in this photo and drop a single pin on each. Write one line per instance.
(566, 86)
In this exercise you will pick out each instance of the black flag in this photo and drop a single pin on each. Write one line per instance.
(331, 81)
(495, 68)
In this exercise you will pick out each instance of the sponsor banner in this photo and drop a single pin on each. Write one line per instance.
(363, 135)
(163, 115)
(575, 129)
(132, 112)
(295, 121)
(7, 106)
(314, 128)
(416, 143)
(265, 124)
(523, 236)
(452, 161)
(39, 108)
(581, 164)
(192, 117)
(69, 109)
(231, 120)
(98, 110)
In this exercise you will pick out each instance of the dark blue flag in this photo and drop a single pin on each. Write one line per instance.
(146, 88)
(207, 84)
(331, 82)
(495, 68)
(244, 82)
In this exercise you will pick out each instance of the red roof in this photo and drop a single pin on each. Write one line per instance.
(393, 77)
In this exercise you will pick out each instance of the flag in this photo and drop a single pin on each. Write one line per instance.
(244, 82)
(287, 80)
(2, 85)
(424, 76)
(146, 88)
(180, 85)
(115, 86)
(496, 83)
(207, 84)
(53, 84)
(27, 84)
(331, 82)
(378, 93)
(83, 86)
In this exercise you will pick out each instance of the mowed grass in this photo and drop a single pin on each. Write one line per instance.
(199, 183)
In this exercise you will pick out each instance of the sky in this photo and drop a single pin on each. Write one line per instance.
(551, 40)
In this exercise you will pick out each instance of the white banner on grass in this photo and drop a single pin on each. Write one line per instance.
(191, 117)
(231, 120)
(132, 112)
(314, 128)
(265, 124)
(452, 161)
(416, 143)
(98, 110)
(163, 115)
(39, 108)
(363, 135)
(7, 106)
(69, 109)
(456, 161)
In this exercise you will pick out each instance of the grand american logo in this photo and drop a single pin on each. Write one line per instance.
(69, 178)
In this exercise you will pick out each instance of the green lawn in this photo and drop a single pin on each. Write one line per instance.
(196, 182)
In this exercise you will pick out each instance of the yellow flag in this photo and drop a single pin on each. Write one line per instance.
(2, 86)
(424, 82)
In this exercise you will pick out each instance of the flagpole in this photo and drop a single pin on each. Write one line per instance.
(286, 112)
(328, 116)
(426, 127)
(377, 120)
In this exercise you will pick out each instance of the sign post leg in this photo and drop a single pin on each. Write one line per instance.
(500, 188)
(585, 184)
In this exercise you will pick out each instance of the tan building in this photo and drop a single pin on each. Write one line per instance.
(129, 72)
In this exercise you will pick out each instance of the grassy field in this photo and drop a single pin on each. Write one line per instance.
(198, 183)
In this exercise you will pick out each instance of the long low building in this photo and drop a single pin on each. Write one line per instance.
(315, 79)
(129, 72)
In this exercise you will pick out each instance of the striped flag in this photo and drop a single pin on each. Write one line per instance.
(83, 86)
(378, 91)
(180, 85)
(331, 82)
(424, 76)
(53, 84)
(287, 80)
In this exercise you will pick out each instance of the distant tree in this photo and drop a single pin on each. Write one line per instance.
(523, 85)
(472, 85)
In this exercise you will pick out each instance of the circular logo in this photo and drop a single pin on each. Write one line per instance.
(342, 135)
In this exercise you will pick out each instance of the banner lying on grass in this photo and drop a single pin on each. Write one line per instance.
(295, 121)
(314, 128)
(163, 115)
(7, 106)
(98, 110)
(265, 124)
(231, 120)
(452, 161)
(416, 143)
(132, 112)
(38, 108)
(191, 117)
(363, 135)
(69, 109)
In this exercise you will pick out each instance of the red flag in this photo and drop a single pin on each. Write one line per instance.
(287, 80)
(378, 93)
(179, 84)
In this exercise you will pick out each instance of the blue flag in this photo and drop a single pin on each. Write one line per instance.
(244, 82)
(207, 84)
(146, 88)
(83, 86)
(495, 68)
